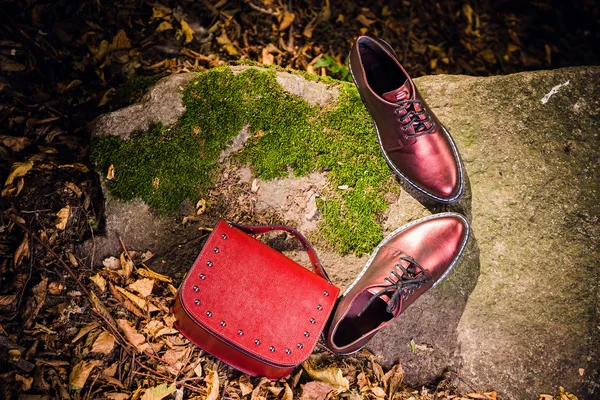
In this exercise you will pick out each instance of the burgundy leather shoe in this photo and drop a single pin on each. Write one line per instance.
(414, 143)
(406, 264)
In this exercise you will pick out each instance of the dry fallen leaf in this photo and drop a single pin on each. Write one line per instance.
(35, 303)
(331, 375)
(25, 382)
(80, 374)
(111, 371)
(198, 370)
(287, 20)
(393, 379)
(7, 299)
(22, 251)
(120, 41)
(99, 281)
(84, 331)
(245, 385)
(288, 394)
(62, 217)
(316, 391)
(18, 169)
(212, 379)
(56, 287)
(116, 396)
(378, 392)
(134, 337)
(126, 265)
(143, 286)
(138, 301)
(159, 392)
(104, 343)
(110, 174)
(187, 31)
(148, 273)
(164, 26)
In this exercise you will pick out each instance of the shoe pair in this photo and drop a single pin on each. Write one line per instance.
(418, 148)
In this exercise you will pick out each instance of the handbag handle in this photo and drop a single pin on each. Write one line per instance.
(312, 255)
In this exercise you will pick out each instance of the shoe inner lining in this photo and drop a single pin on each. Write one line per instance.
(383, 74)
(352, 327)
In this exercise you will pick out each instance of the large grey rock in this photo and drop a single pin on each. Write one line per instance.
(519, 314)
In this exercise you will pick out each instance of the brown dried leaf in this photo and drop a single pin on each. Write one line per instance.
(110, 174)
(80, 374)
(224, 41)
(330, 375)
(288, 394)
(18, 169)
(316, 391)
(245, 385)
(134, 337)
(164, 26)
(120, 41)
(97, 304)
(99, 281)
(7, 299)
(143, 286)
(392, 380)
(22, 251)
(377, 371)
(159, 392)
(16, 144)
(117, 396)
(287, 20)
(74, 188)
(148, 273)
(56, 287)
(104, 343)
(378, 392)
(34, 304)
(110, 371)
(139, 302)
(126, 265)
(365, 21)
(62, 217)
(84, 331)
(25, 382)
(187, 31)
(212, 380)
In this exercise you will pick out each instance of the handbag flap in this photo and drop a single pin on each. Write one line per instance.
(248, 294)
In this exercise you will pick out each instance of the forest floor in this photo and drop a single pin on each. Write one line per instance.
(70, 331)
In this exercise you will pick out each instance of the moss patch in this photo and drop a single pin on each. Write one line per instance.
(287, 134)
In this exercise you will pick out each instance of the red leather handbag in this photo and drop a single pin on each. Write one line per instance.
(251, 306)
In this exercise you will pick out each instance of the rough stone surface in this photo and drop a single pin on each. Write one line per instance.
(519, 314)
(162, 103)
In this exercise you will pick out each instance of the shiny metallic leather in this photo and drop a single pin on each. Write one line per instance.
(250, 305)
(430, 162)
(435, 242)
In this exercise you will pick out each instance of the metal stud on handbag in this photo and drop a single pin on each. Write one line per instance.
(251, 306)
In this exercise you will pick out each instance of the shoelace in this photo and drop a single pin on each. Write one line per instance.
(413, 277)
(413, 118)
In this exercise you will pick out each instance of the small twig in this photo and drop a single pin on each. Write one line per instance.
(469, 384)
(158, 374)
(262, 10)
(58, 258)
(36, 211)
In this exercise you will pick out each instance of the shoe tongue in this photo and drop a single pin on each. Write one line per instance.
(402, 93)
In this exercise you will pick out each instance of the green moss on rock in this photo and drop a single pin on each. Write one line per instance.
(286, 134)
